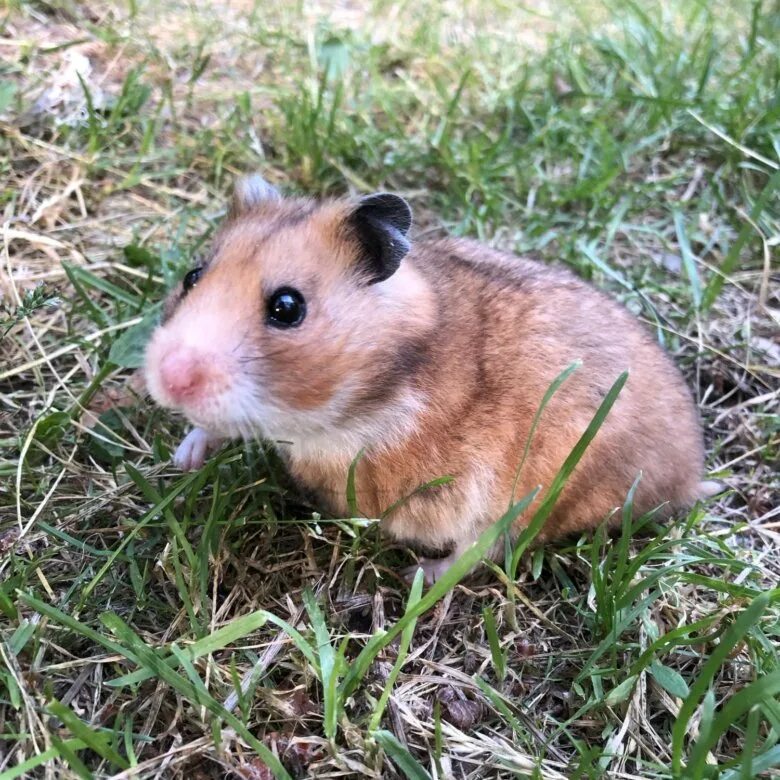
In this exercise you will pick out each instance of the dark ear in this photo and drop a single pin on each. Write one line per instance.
(380, 223)
(250, 191)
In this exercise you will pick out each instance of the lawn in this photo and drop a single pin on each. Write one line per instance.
(155, 624)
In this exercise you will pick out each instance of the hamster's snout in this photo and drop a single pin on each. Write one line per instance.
(183, 374)
(180, 375)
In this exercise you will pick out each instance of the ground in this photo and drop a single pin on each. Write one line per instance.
(156, 624)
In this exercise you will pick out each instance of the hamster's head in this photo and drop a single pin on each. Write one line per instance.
(300, 322)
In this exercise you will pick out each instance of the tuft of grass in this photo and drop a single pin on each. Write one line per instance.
(213, 624)
(36, 298)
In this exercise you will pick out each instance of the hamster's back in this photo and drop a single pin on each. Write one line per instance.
(512, 326)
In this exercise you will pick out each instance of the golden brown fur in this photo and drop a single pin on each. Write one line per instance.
(438, 370)
(499, 340)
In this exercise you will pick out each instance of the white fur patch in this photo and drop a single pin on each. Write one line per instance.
(323, 435)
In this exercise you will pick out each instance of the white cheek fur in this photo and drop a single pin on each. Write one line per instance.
(325, 434)
(320, 433)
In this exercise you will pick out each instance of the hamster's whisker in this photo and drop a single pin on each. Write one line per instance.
(250, 359)
(241, 342)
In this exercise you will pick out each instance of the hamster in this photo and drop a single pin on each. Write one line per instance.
(322, 328)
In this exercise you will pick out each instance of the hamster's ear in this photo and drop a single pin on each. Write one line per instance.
(250, 191)
(380, 223)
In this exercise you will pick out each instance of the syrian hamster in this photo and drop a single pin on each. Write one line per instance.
(323, 328)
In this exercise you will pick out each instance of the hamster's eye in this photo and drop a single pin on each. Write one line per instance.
(286, 308)
(192, 278)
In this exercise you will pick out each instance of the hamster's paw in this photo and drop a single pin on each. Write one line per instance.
(433, 569)
(710, 488)
(191, 453)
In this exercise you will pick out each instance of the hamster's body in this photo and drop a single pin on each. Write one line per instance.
(436, 369)
(471, 398)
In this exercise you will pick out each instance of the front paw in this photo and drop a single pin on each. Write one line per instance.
(191, 453)
(433, 569)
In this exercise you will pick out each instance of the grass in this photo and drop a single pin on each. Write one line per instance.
(154, 624)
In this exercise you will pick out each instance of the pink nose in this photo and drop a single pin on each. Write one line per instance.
(183, 374)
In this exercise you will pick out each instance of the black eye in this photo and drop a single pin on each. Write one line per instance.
(192, 278)
(286, 308)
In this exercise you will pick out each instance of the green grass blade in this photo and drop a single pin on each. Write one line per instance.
(305, 647)
(225, 636)
(588, 249)
(550, 392)
(441, 134)
(58, 533)
(130, 535)
(749, 742)
(434, 483)
(89, 279)
(501, 705)
(139, 652)
(351, 490)
(688, 261)
(562, 477)
(496, 653)
(451, 578)
(405, 761)
(69, 755)
(97, 315)
(7, 607)
(438, 741)
(154, 497)
(758, 764)
(92, 738)
(23, 769)
(731, 261)
(406, 639)
(190, 670)
(765, 687)
(327, 663)
(21, 636)
(228, 635)
(622, 551)
(745, 620)
(680, 636)
(63, 619)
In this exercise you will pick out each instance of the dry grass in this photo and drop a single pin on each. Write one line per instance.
(580, 130)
